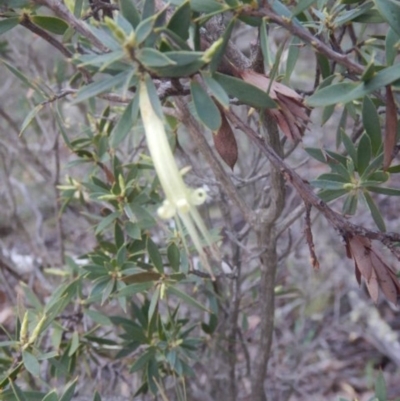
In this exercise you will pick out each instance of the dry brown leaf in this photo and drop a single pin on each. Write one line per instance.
(225, 142)
(290, 116)
(386, 278)
(373, 287)
(390, 129)
(360, 251)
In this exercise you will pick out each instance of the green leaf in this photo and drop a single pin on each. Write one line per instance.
(144, 29)
(143, 360)
(246, 93)
(371, 124)
(363, 154)
(174, 256)
(31, 363)
(129, 12)
(220, 52)
(302, 6)
(154, 302)
(330, 95)
(52, 396)
(317, 154)
(206, 6)
(74, 343)
(135, 288)
(125, 123)
(391, 43)
(293, 55)
(97, 396)
(8, 23)
(28, 119)
(216, 89)
(155, 100)
(265, 46)
(179, 23)
(69, 391)
(327, 184)
(350, 204)
(186, 298)
(328, 195)
(104, 223)
(376, 215)
(148, 9)
(18, 393)
(52, 24)
(98, 317)
(100, 86)
(384, 190)
(390, 10)
(153, 58)
(154, 255)
(108, 289)
(350, 148)
(206, 109)
(380, 385)
(374, 165)
(333, 177)
(345, 92)
(24, 79)
(133, 230)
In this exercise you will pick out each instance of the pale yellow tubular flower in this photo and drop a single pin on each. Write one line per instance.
(180, 200)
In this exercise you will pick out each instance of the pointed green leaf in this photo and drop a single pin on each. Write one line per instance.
(135, 288)
(293, 55)
(69, 391)
(153, 302)
(174, 256)
(220, 52)
(376, 214)
(350, 148)
(384, 190)
(144, 29)
(52, 396)
(206, 6)
(326, 184)
(345, 92)
(130, 12)
(380, 385)
(390, 10)
(186, 298)
(216, 89)
(391, 43)
(153, 58)
(18, 393)
(52, 24)
(317, 154)
(28, 119)
(179, 23)
(8, 23)
(350, 204)
(371, 124)
(74, 343)
(206, 109)
(363, 154)
(106, 221)
(31, 363)
(143, 360)
(246, 93)
(154, 255)
(328, 195)
(125, 123)
(302, 6)
(100, 86)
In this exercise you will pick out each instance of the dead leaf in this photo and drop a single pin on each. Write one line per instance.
(370, 265)
(360, 250)
(225, 142)
(290, 115)
(390, 129)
